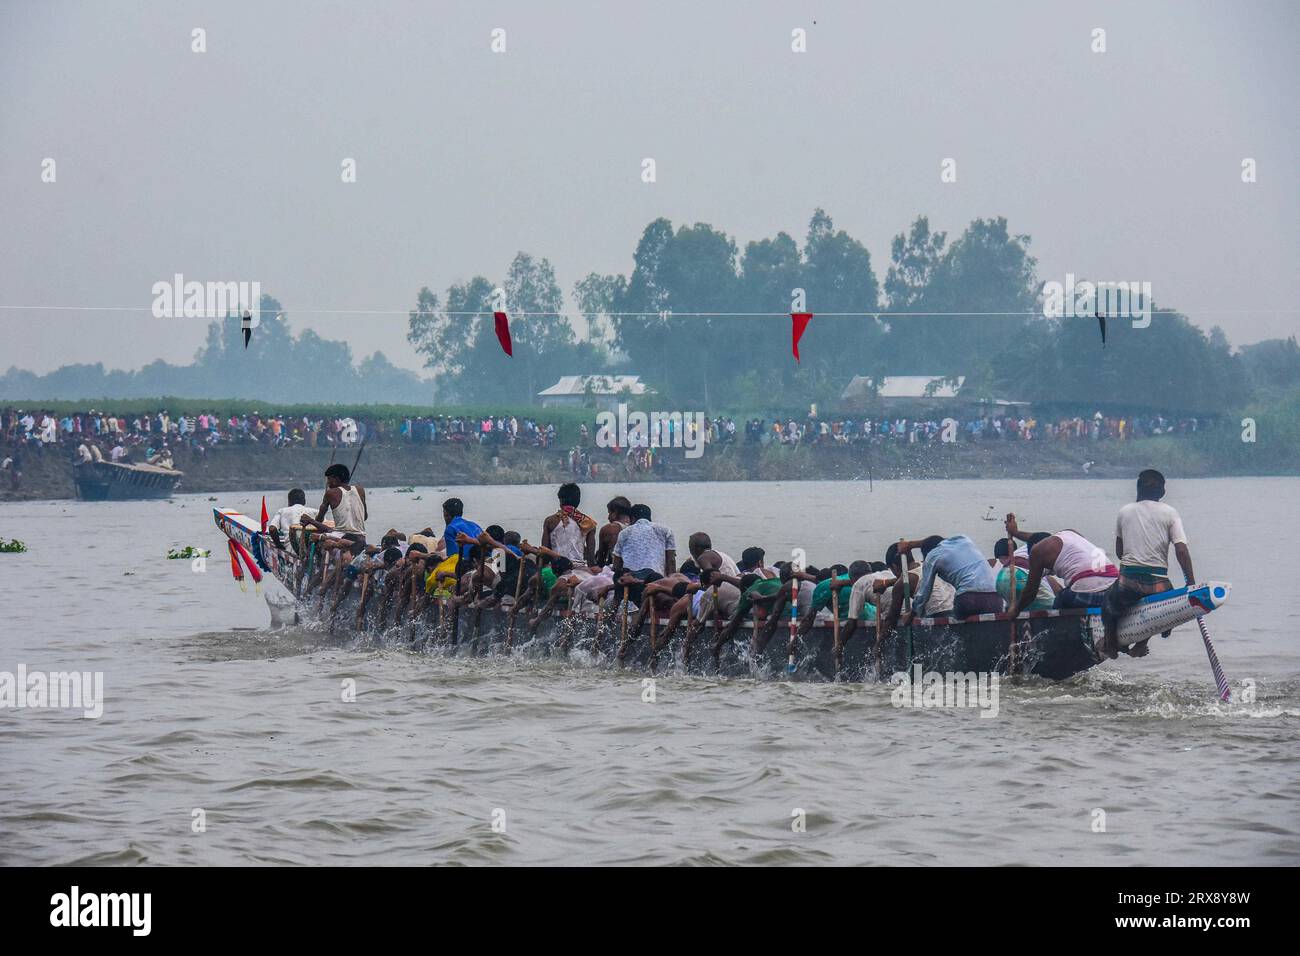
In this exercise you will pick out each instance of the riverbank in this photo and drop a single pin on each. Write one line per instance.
(49, 475)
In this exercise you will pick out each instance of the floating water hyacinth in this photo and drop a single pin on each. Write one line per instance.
(188, 551)
(12, 546)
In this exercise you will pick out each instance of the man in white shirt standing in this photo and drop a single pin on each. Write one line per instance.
(1144, 532)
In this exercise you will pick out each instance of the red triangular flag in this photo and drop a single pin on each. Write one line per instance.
(800, 322)
(503, 333)
(264, 515)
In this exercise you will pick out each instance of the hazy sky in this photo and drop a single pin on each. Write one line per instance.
(226, 164)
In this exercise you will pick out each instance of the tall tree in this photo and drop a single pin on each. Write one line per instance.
(838, 277)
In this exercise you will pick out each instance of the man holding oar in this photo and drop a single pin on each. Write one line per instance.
(959, 562)
(347, 504)
(1082, 566)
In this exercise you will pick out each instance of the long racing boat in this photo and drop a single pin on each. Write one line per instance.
(1050, 644)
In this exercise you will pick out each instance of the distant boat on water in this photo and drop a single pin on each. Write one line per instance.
(112, 481)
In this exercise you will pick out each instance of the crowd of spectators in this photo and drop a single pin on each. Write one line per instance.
(153, 431)
(1096, 427)
(38, 429)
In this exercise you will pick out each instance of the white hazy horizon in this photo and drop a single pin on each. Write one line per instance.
(225, 165)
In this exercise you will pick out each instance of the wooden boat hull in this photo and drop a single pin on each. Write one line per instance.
(1050, 644)
(106, 481)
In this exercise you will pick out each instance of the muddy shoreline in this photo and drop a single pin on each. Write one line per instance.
(49, 474)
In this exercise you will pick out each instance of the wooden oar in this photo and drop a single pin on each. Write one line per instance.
(790, 666)
(595, 638)
(1012, 648)
(514, 612)
(361, 604)
(880, 635)
(654, 627)
(352, 474)
(1220, 679)
(622, 642)
(478, 594)
(835, 612)
(904, 556)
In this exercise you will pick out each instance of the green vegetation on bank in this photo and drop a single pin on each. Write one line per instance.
(699, 317)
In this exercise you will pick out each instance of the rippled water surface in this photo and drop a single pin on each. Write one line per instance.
(208, 709)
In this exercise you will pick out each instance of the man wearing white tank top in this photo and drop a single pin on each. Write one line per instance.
(347, 503)
(1083, 568)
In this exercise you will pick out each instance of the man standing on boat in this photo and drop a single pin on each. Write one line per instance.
(1144, 531)
(1080, 564)
(347, 503)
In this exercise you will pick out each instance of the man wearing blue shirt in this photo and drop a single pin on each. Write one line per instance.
(959, 562)
(453, 511)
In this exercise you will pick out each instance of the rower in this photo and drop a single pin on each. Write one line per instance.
(569, 534)
(453, 516)
(807, 579)
(1068, 555)
(1144, 531)
(821, 596)
(346, 502)
(864, 597)
(720, 600)
(1005, 561)
(283, 521)
(759, 589)
(644, 552)
(889, 605)
(619, 516)
(672, 593)
(959, 562)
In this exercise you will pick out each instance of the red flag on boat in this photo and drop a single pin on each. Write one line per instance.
(800, 322)
(503, 333)
(264, 515)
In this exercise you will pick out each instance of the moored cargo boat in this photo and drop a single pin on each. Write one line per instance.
(114, 481)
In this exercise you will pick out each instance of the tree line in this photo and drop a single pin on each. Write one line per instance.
(738, 358)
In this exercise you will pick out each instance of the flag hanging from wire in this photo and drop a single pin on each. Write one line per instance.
(799, 322)
(503, 333)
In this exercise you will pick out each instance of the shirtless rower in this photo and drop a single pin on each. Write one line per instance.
(672, 593)
(714, 602)
(1083, 567)
(619, 516)
(750, 565)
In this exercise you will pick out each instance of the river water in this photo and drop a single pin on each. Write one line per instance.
(477, 761)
